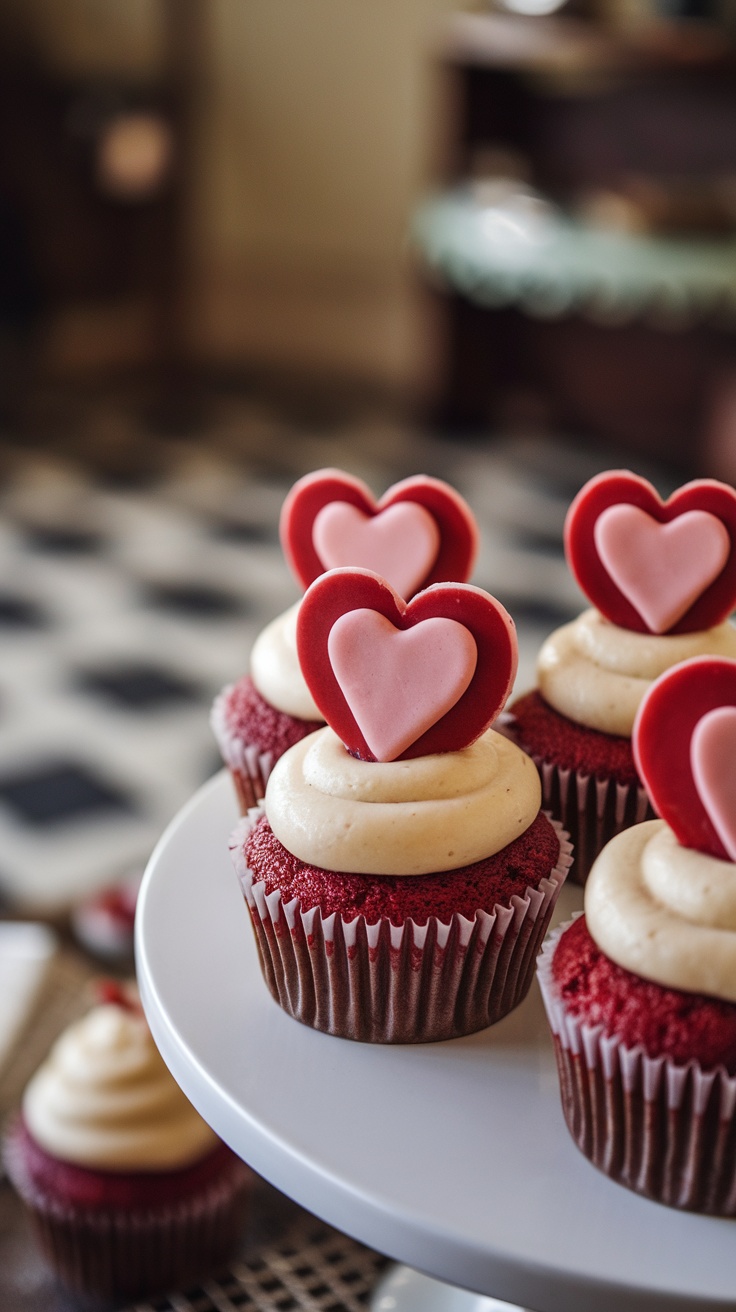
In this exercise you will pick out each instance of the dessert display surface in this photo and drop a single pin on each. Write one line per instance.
(498, 1198)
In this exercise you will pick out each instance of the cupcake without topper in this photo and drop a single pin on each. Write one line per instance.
(418, 533)
(654, 566)
(684, 744)
(129, 1192)
(397, 680)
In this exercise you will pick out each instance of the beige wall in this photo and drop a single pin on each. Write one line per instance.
(315, 128)
(316, 139)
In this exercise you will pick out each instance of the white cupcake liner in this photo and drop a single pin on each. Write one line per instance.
(108, 1252)
(664, 1129)
(248, 765)
(383, 983)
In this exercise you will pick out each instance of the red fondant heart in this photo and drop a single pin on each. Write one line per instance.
(674, 743)
(444, 523)
(471, 706)
(713, 758)
(699, 592)
(399, 682)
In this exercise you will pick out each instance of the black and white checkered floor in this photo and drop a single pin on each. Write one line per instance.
(124, 608)
(127, 598)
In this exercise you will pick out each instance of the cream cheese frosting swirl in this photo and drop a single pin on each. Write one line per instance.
(104, 1099)
(596, 673)
(412, 817)
(664, 911)
(275, 669)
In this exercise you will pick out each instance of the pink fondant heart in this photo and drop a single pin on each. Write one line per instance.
(618, 579)
(399, 683)
(456, 543)
(395, 677)
(400, 543)
(661, 568)
(713, 762)
(684, 743)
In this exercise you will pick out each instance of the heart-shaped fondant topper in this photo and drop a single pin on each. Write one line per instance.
(650, 565)
(684, 743)
(397, 680)
(420, 532)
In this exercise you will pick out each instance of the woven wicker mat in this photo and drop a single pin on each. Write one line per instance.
(288, 1260)
(309, 1266)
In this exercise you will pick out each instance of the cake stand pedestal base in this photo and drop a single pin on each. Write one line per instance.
(403, 1289)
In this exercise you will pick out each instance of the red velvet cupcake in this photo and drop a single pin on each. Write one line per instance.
(401, 878)
(129, 1192)
(641, 991)
(662, 579)
(420, 532)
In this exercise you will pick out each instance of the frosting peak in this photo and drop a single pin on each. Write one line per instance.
(275, 669)
(596, 673)
(104, 1099)
(411, 817)
(664, 911)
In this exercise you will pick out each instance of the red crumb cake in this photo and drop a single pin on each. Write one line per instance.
(479, 887)
(666, 1022)
(49, 1180)
(251, 735)
(548, 735)
(589, 779)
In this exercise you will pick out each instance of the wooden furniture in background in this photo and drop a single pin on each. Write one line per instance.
(578, 112)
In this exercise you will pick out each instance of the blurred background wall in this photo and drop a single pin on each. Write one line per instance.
(222, 187)
(318, 137)
(307, 137)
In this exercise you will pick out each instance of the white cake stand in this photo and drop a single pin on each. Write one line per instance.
(450, 1157)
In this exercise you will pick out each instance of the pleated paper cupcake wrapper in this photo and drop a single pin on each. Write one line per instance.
(383, 983)
(127, 1253)
(249, 766)
(663, 1129)
(590, 809)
